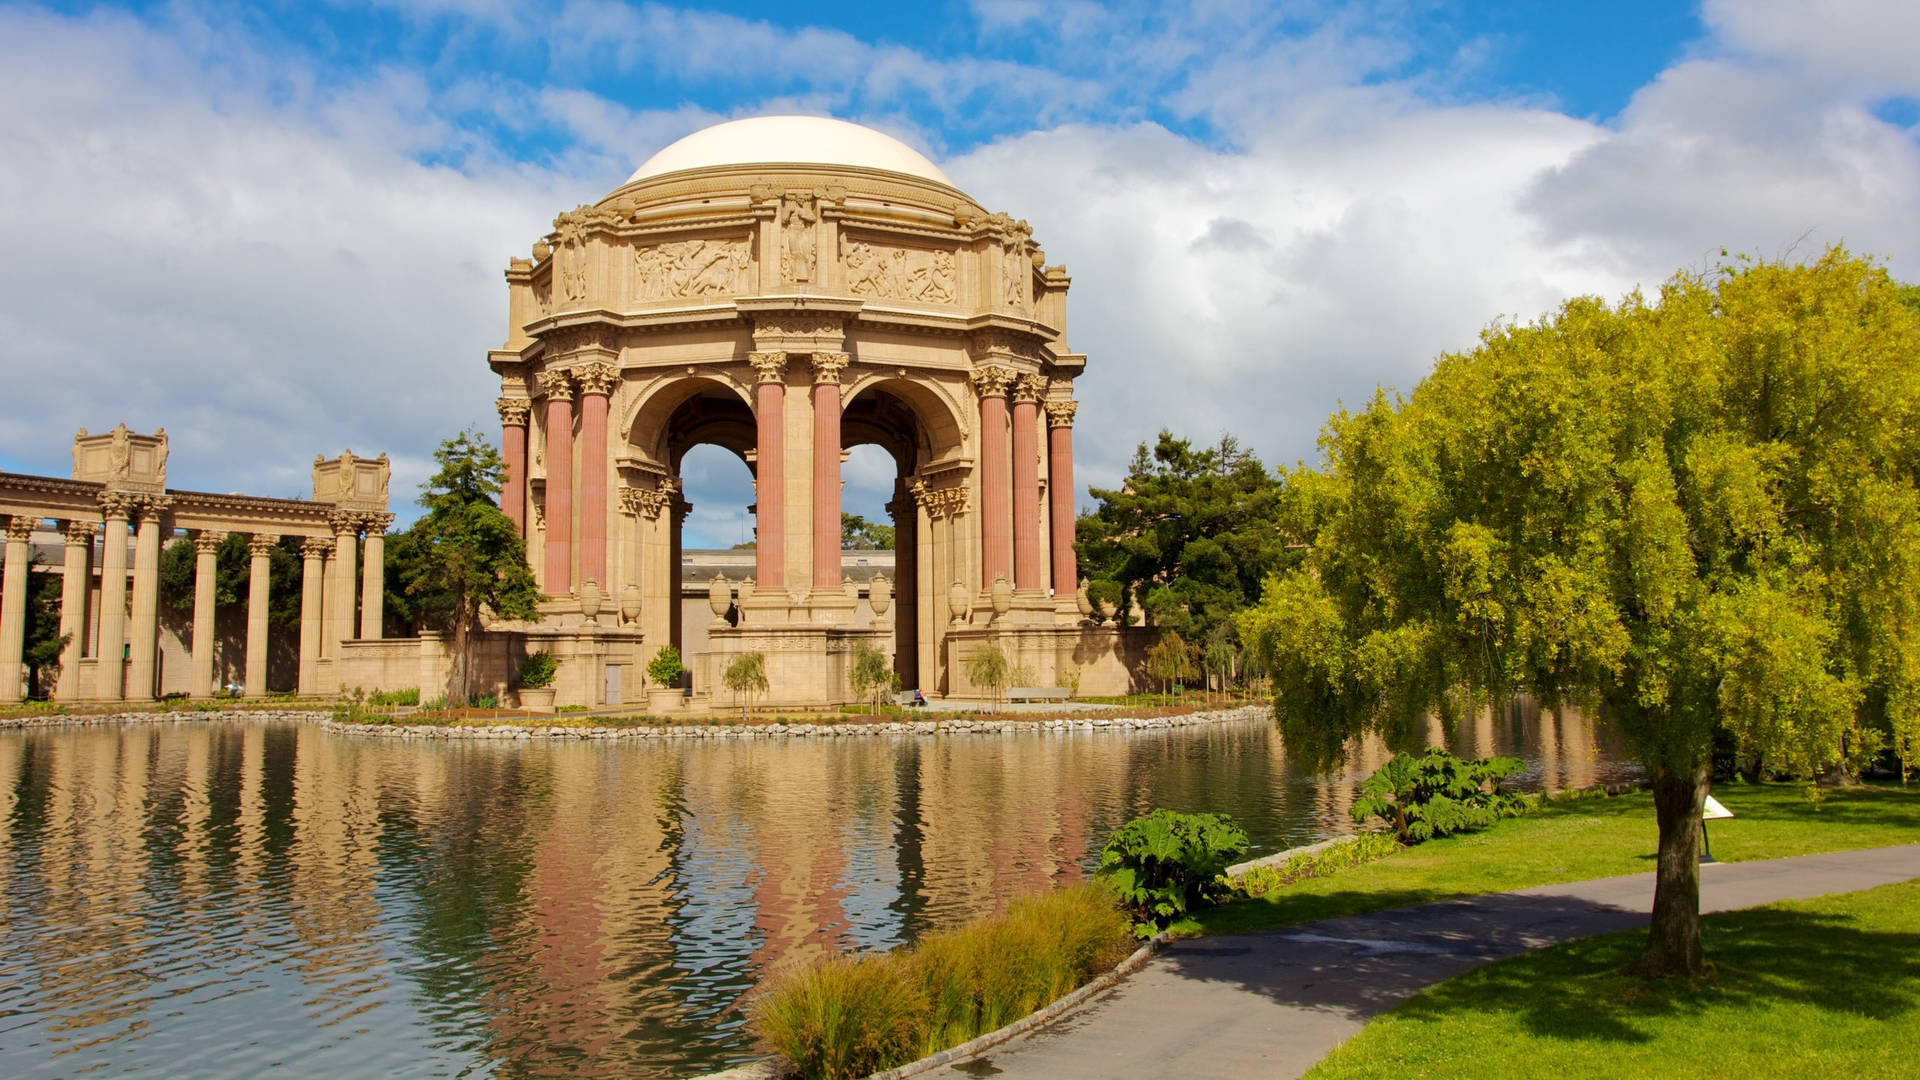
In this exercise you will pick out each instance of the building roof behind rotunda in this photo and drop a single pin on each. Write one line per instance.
(781, 140)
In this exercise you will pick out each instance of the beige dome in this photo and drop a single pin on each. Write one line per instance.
(784, 140)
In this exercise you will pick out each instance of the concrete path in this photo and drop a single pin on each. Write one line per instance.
(1272, 1004)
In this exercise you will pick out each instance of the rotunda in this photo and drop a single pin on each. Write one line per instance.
(787, 288)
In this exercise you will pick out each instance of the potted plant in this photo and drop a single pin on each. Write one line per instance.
(536, 681)
(663, 676)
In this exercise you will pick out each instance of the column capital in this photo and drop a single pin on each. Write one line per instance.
(20, 528)
(827, 366)
(942, 502)
(557, 384)
(80, 533)
(375, 523)
(345, 523)
(116, 505)
(597, 377)
(1029, 389)
(649, 502)
(151, 507)
(513, 411)
(316, 547)
(208, 541)
(262, 544)
(992, 380)
(768, 367)
(1060, 413)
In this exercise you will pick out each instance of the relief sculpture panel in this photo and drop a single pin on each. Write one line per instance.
(691, 268)
(898, 273)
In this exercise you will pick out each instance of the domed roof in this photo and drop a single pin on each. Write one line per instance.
(783, 140)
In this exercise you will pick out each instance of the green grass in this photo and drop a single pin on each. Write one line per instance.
(1827, 987)
(852, 1016)
(1577, 840)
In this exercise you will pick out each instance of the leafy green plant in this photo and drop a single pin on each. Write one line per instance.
(571, 709)
(746, 676)
(1433, 794)
(486, 701)
(869, 676)
(537, 670)
(1258, 881)
(1167, 864)
(390, 698)
(665, 669)
(989, 668)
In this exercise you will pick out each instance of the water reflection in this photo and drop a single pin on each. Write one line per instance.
(217, 899)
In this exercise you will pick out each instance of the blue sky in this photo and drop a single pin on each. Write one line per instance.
(277, 229)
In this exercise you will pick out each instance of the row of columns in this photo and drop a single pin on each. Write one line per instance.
(1010, 490)
(327, 601)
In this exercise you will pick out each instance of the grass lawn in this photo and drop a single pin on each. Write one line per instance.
(1587, 838)
(1822, 987)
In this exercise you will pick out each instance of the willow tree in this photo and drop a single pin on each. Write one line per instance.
(1689, 513)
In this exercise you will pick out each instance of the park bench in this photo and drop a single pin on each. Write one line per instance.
(903, 698)
(1039, 693)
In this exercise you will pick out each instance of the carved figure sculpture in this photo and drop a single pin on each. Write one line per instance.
(898, 273)
(798, 254)
(690, 268)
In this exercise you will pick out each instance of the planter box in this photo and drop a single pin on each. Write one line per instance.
(540, 700)
(664, 699)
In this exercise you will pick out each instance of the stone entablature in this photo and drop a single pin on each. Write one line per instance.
(119, 490)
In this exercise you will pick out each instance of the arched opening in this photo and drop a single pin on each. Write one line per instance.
(887, 442)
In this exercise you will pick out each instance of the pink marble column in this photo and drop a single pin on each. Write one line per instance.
(1026, 481)
(826, 468)
(559, 558)
(769, 470)
(996, 511)
(1066, 566)
(596, 385)
(513, 450)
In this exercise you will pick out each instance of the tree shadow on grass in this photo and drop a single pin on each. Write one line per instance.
(1761, 957)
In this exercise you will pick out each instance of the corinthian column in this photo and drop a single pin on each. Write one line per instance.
(111, 647)
(76, 579)
(597, 381)
(996, 512)
(313, 581)
(1026, 481)
(827, 367)
(373, 577)
(513, 450)
(13, 608)
(143, 632)
(1066, 570)
(206, 571)
(259, 581)
(558, 579)
(346, 543)
(769, 469)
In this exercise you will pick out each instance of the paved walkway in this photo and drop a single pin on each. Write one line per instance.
(1272, 1004)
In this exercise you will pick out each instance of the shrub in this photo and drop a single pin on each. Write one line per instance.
(391, 698)
(536, 671)
(1366, 847)
(1435, 794)
(746, 676)
(665, 669)
(869, 676)
(1167, 864)
(851, 1017)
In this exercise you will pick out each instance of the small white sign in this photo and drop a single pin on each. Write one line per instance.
(1713, 811)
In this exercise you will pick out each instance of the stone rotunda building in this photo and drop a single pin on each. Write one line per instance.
(788, 288)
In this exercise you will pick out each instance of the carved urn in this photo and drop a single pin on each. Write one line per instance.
(1002, 596)
(880, 594)
(957, 602)
(719, 598)
(590, 600)
(630, 603)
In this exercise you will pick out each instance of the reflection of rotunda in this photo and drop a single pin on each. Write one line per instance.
(787, 288)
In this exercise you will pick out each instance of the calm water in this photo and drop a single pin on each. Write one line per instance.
(220, 899)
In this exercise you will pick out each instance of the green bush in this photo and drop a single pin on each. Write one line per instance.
(1167, 864)
(851, 1017)
(665, 668)
(1434, 794)
(394, 697)
(1366, 847)
(484, 701)
(537, 670)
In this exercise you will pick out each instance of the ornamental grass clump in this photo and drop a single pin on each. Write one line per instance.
(854, 1016)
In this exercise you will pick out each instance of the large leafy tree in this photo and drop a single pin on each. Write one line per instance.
(43, 641)
(1691, 513)
(1190, 534)
(463, 554)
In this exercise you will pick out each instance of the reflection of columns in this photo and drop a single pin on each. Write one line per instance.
(373, 577)
(1066, 569)
(76, 582)
(143, 632)
(346, 542)
(769, 469)
(13, 608)
(206, 571)
(111, 646)
(597, 381)
(827, 367)
(995, 509)
(1026, 481)
(558, 580)
(513, 450)
(259, 581)
(313, 580)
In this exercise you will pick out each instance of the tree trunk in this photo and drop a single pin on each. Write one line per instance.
(462, 659)
(1673, 939)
